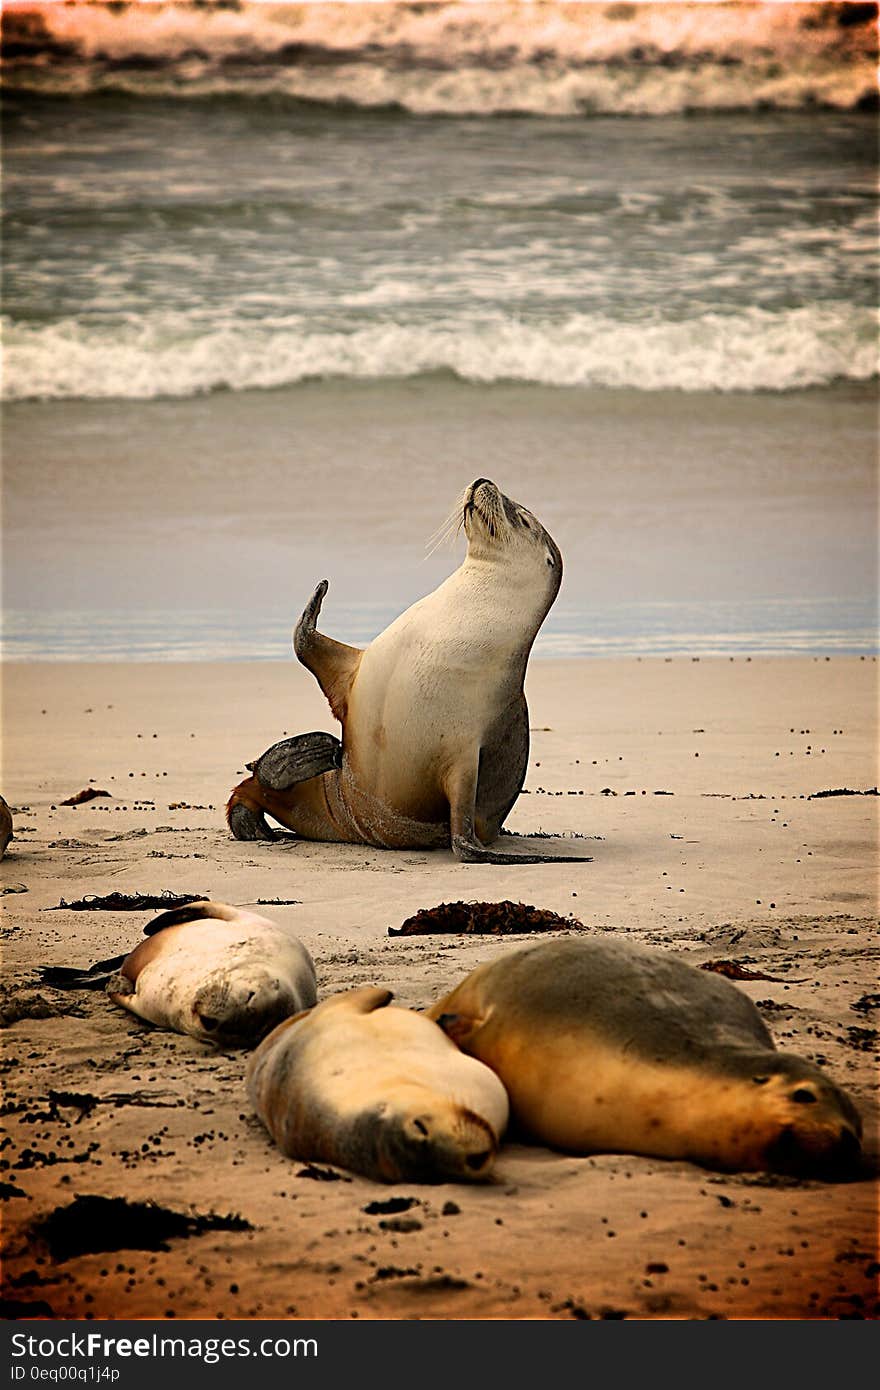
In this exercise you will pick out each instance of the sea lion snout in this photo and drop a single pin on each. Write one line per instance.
(438, 1146)
(820, 1152)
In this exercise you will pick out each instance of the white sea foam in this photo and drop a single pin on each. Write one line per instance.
(171, 355)
(557, 58)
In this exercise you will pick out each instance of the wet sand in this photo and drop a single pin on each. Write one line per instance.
(694, 786)
(243, 500)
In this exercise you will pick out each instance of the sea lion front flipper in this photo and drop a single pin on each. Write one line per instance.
(469, 851)
(333, 664)
(247, 824)
(297, 759)
(461, 789)
(363, 1000)
(459, 1027)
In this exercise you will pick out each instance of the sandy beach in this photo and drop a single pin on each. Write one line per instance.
(694, 787)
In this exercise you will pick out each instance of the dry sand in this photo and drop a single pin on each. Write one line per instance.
(737, 860)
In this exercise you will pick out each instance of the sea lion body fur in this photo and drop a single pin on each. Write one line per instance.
(435, 725)
(5, 826)
(604, 1046)
(217, 972)
(381, 1091)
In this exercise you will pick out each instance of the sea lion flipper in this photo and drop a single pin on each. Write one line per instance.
(66, 977)
(458, 1026)
(297, 759)
(366, 999)
(469, 851)
(187, 912)
(246, 823)
(461, 790)
(119, 987)
(332, 663)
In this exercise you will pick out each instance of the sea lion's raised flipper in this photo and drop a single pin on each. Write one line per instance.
(246, 823)
(333, 664)
(296, 760)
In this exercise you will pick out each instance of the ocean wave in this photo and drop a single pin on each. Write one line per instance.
(172, 355)
(558, 58)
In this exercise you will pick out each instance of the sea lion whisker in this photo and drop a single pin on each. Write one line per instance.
(447, 531)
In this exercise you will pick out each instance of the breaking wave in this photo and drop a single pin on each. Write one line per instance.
(558, 58)
(168, 355)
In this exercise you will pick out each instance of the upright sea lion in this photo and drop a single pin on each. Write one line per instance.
(435, 727)
(217, 972)
(606, 1047)
(5, 826)
(380, 1091)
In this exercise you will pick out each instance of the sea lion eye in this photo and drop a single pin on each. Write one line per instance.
(760, 1080)
(803, 1097)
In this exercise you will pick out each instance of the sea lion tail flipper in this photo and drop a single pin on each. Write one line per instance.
(296, 760)
(333, 664)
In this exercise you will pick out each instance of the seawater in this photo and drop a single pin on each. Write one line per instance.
(243, 198)
(782, 627)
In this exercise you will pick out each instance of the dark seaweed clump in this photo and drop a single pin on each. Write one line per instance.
(92, 1224)
(489, 919)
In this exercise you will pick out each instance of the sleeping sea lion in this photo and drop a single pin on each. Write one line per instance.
(219, 973)
(607, 1047)
(379, 1090)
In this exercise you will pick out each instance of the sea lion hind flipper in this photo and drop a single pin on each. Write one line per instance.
(119, 987)
(333, 664)
(247, 824)
(297, 759)
(66, 977)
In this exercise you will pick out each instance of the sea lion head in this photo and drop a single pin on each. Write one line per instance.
(499, 528)
(422, 1138)
(237, 1009)
(809, 1125)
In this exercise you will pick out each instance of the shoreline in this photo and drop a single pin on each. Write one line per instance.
(693, 785)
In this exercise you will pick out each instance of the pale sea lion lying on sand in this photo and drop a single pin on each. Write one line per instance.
(220, 973)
